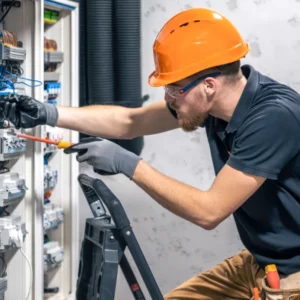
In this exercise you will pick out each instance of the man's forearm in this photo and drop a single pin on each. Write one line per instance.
(98, 120)
(183, 200)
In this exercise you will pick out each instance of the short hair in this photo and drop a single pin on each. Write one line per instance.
(231, 71)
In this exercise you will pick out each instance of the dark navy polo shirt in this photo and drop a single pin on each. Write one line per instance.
(263, 138)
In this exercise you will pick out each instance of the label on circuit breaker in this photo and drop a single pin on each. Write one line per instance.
(12, 188)
(11, 146)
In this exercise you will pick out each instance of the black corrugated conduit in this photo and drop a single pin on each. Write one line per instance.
(100, 66)
(127, 52)
(112, 56)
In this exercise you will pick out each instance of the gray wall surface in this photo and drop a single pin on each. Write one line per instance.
(177, 250)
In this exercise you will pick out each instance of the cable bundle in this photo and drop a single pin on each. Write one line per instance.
(8, 38)
(50, 45)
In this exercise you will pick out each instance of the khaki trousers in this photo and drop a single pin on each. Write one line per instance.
(234, 278)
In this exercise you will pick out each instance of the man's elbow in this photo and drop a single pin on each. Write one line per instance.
(209, 223)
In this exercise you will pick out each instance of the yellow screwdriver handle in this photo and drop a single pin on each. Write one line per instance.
(63, 144)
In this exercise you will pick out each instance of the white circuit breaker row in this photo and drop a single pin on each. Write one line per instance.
(12, 189)
(53, 216)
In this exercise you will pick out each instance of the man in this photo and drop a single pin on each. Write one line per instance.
(252, 125)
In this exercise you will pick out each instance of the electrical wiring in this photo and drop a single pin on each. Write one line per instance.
(31, 272)
(7, 11)
(23, 78)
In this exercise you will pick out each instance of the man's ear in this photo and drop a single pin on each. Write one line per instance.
(210, 86)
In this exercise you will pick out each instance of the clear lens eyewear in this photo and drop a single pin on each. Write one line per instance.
(175, 91)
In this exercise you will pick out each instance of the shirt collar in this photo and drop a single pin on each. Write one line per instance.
(245, 99)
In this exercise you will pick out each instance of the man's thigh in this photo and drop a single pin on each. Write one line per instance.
(234, 278)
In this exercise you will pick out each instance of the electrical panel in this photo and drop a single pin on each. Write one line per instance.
(38, 182)
(13, 189)
(59, 58)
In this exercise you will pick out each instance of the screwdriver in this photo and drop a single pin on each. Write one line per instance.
(61, 144)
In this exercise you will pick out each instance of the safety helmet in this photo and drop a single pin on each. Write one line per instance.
(194, 40)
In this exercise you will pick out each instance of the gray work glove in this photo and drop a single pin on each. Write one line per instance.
(106, 157)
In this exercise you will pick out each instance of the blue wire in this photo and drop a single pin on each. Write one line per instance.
(21, 82)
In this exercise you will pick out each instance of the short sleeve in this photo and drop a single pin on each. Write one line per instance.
(266, 141)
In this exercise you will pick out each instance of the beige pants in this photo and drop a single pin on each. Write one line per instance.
(233, 279)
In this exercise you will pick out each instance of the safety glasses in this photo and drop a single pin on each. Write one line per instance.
(175, 91)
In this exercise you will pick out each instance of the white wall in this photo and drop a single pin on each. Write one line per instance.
(175, 249)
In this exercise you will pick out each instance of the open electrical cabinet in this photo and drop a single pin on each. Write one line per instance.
(42, 180)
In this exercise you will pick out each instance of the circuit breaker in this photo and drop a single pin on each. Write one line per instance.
(11, 146)
(50, 178)
(53, 216)
(53, 255)
(12, 188)
(12, 232)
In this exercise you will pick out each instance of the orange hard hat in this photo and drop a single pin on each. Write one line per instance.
(194, 40)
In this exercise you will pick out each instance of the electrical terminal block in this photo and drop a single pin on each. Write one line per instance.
(52, 88)
(12, 232)
(53, 216)
(12, 188)
(8, 52)
(11, 146)
(50, 16)
(53, 255)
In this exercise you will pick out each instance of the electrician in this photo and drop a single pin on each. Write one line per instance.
(252, 124)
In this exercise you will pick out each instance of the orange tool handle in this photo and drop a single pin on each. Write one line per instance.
(255, 294)
(61, 144)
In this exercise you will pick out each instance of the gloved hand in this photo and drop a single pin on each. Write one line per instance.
(26, 112)
(106, 157)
